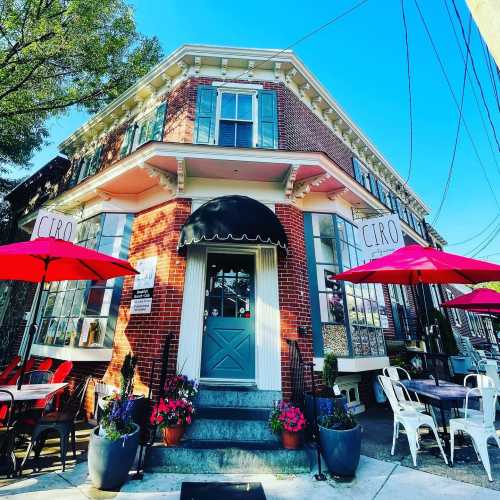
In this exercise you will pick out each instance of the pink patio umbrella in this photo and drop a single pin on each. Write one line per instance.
(479, 300)
(48, 259)
(415, 264)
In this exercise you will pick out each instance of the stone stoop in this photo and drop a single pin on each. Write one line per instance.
(230, 434)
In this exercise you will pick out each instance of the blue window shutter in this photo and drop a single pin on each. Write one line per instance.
(84, 166)
(268, 119)
(373, 185)
(204, 127)
(159, 122)
(128, 138)
(358, 174)
(381, 192)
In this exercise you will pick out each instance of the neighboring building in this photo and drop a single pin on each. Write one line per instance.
(239, 173)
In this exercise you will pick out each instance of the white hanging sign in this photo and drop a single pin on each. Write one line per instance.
(142, 294)
(379, 236)
(54, 225)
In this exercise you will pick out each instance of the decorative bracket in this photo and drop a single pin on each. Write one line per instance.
(303, 187)
(316, 102)
(290, 75)
(304, 89)
(289, 180)
(197, 65)
(277, 70)
(181, 175)
(336, 193)
(165, 179)
(251, 67)
(223, 67)
(183, 66)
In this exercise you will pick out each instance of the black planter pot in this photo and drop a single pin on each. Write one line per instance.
(110, 461)
(321, 405)
(341, 450)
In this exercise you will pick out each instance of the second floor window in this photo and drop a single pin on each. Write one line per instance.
(241, 118)
(236, 120)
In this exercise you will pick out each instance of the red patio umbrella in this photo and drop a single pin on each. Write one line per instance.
(416, 264)
(48, 259)
(479, 300)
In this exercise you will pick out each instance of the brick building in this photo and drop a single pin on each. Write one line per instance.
(237, 180)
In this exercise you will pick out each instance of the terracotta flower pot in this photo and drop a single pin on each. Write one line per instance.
(173, 435)
(291, 440)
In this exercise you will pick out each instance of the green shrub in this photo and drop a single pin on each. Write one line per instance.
(330, 369)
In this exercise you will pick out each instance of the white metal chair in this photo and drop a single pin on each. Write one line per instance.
(409, 418)
(392, 372)
(480, 426)
(481, 381)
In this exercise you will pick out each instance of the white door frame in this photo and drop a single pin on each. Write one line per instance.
(267, 318)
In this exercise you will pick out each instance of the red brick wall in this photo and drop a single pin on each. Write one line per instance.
(293, 287)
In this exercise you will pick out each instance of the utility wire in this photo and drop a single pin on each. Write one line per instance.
(457, 135)
(489, 67)
(479, 247)
(410, 106)
(301, 39)
(476, 235)
(488, 242)
(471, 83)
(441, 65)
(475, 73)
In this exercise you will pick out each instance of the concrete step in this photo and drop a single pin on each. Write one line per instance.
(223, 457)
(235, 431)
(228, 413)
(235, 398)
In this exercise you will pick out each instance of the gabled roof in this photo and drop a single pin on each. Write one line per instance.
(247, 64)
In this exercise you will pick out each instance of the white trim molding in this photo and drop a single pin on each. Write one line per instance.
(267, 317)
(72, 353)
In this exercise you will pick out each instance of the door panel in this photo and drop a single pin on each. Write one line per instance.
(229, 333)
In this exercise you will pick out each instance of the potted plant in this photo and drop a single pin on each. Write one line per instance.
(180, 387)
(113, 445)
(340, 439)
(325, 394)
(289, 421)
(172, 416)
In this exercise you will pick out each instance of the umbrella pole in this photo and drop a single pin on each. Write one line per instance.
(32, 330)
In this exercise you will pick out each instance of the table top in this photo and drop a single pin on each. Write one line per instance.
(30, 392)
(445, 391)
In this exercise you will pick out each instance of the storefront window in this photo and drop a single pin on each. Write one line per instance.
(400, 311)
(83, 313)
(347, 317)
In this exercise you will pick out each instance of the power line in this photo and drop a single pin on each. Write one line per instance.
(489, 67)
(302, 38)
(410, 106)
(475, 74)
(457, 135)
(485, 242)
(471, 83)
(476, 235)
(441, 65)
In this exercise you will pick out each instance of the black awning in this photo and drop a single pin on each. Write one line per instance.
(233, 219)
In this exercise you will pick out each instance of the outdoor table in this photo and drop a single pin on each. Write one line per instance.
(30, 392)
(446, 393)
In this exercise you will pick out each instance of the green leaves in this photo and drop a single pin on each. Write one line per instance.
(55, 54)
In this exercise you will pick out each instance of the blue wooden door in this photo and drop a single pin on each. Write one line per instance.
(229, 323)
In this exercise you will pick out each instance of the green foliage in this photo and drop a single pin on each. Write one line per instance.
(127, 375)
(493, 285)
(330, 369)
(340, 420)
(55, 54)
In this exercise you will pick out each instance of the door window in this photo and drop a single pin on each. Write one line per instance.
(229, 286)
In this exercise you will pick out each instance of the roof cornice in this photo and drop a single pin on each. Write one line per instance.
(190, 60)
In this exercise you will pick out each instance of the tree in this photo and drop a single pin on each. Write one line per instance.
(494, 285)
(55, 54)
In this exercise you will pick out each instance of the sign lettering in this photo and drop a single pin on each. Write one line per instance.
(54, 225)
(380, 236)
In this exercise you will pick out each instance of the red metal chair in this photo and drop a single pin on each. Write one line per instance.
(45, 365)
(29, 365)
(62, 371)
(4, 376)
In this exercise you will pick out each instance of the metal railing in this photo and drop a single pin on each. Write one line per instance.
(298, 375)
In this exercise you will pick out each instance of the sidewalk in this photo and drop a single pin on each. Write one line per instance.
(375, 479)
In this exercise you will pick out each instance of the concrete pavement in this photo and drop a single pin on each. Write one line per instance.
(375, 479)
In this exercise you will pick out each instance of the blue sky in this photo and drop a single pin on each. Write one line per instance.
(361, 61)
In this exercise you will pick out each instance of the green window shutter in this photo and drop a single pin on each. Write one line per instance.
(143, 132)
(204, 127)
(156, 133)
(381, 193)
(76, 172)
(84, 165)
(128, 139)
(373, 185)
(268, 119)
(95, 161)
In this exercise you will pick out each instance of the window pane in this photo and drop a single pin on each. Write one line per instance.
(228, 106)
(324, 250)
(110, 245)
(94, 302)
(113, 224)
(227, 132)
(244, 135)
(244, 107)
(322, 225)
(204, 125)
